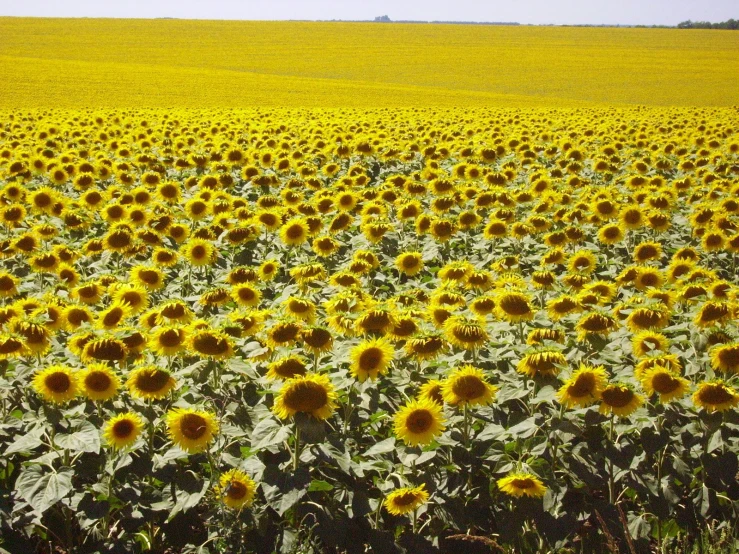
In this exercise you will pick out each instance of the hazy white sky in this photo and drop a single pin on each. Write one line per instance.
(629, 12)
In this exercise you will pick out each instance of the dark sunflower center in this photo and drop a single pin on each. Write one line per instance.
(370, 359)
(469, 387)
(123, 429)
(664, 383)
(514, 305)
(729, 356)
(193, 426)
(290, 368)
(617, 397)
(404, 499)
(150, 277)
(285, 333)
(468, 333)
(113, 317)
(236, 490)
(170, 338)
(98, 381)
(714, 395)
(317, 338)
(152, 381)
(207, 343)
(306, 397)
(295, 231)
(198, 252)
(58, 382)
(523, 483)
(419, 421)
(583, 386)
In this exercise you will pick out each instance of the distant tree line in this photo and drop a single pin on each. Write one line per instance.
(732, 24)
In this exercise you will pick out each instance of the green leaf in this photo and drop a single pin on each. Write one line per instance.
(27, 442)
(43, 490)
(269, 432)
(317, 485)
(86, 439)
(382, 447)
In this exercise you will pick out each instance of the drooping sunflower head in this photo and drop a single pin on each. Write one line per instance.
(542, 363)
(57, 384)
(645, 342)
(467, 385)
(210, 343)
(104, 349)
(317, 339)
(713, 313)
(596, 323)
(191, 429)
(312, 394)
(150, 382)
(514, 307)
(287, 368)
(419, 422)
(464, 332)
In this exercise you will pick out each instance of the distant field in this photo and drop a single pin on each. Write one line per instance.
(172, 63)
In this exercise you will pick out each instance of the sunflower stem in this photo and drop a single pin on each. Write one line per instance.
(415, 521)
(296, 450)
(466, 426)
(611, 484)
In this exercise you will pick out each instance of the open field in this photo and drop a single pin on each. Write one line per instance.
(172, 63)
(368, 330)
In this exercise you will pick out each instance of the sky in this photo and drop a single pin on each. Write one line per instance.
(558, 12)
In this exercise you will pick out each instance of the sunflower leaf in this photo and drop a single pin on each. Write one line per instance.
(43, 490)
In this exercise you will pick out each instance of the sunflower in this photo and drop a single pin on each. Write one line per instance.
(668, 385)
(648, 341)
(425, 346)
(647, 251)
(317, 339)
(371, 358)
(713, 313)
(190, 429)
(8, 285)
(542, 363)
(112, 317)
(467, 385)
(151, 278)
(283, 333)
(300, 308)
(209, 343)
(295, 232)
(595, 323)
(99, 382)
(514, 307)
(236, 489)
(311, 394)
(409, 263)
(583, 262)
(584, 387)
(133, 296)
(619, 399)
(287, 368)
(654, 316)
(57, 384)
(725, 357)
(465, 333)
(431, 390)
(168, 340)
(715, 396)
(419, 422)
(610, 234)
(405, 500)
(522, 484)
(123, 430)
(150, 383)
(199, 252)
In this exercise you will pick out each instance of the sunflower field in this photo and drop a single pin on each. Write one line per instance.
(368, 330)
